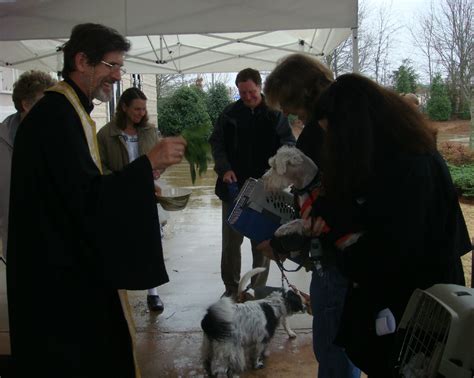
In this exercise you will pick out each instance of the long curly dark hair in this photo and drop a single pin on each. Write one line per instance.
(126, 99)
(366, 124)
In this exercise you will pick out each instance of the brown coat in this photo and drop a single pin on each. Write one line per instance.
(113, 149)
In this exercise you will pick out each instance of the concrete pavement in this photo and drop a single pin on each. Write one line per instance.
(168, 344)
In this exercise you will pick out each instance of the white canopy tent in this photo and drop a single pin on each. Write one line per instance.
(180, 36)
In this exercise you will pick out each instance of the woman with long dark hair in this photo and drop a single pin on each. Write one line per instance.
(380, 154)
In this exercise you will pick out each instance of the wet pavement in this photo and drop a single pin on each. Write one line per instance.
(169, 343)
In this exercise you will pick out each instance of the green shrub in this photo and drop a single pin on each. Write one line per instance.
(439, 106)
(184, 108)
(185, 113)
(463, 179)
(461, 166)
(465, 112)
(217, 99)
(405, 78)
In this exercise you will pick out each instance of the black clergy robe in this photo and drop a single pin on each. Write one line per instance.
(75, 237)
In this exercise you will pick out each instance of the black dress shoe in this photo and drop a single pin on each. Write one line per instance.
(154, 303)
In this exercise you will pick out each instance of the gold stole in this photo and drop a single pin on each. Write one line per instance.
(88, 125)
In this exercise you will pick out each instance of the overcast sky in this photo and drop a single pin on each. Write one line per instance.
(404, 14)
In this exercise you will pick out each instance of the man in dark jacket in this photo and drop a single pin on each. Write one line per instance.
(245, 136)
(66, 231)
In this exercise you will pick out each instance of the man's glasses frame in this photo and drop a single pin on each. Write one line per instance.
(115, 67)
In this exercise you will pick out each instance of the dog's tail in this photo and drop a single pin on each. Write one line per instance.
(246, 278)
(217, 323)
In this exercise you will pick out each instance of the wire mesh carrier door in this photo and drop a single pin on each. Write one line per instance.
(436, 334)
(257, 214)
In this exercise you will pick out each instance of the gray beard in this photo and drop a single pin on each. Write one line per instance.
(100, 95)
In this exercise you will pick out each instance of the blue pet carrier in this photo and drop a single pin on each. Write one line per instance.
(257, 213)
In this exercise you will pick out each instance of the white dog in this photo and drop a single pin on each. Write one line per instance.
(236, 334)
(289, 166)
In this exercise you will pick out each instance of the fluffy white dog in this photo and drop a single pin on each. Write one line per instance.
(291, 167)
(236, 335)
(288, 167)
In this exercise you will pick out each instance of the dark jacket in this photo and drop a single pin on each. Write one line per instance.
(311, 140)
(67, 257)
(414, 237)
(244, 139)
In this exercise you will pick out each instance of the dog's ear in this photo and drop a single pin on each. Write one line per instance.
(295, 158)
(271, 161)
(288, 156)
(294, 302)
(280, 165)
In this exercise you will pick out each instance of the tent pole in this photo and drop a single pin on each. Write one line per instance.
(355, 51)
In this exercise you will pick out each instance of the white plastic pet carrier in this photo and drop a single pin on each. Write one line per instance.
(436, 334)
(257, 213)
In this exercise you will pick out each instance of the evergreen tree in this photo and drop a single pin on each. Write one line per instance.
(439, 106)
(405, 78)
(217, 99)
(185, 108)
(184, 113)
(200, 92)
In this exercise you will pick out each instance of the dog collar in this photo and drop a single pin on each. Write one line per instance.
(313, 184)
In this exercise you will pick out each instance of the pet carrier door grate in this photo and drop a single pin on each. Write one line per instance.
(436, 334)
(257, 213)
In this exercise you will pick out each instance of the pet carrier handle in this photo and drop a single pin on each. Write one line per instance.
(233, 189)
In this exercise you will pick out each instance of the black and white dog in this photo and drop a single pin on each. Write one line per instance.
(236, 335)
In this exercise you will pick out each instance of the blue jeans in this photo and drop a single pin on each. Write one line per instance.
(327, 301)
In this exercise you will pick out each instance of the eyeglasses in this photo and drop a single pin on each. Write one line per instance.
(115, 67)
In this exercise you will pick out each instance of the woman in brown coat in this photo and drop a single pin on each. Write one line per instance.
(127, 136)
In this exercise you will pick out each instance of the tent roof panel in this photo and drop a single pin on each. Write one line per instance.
(23, 19)
(180, 36)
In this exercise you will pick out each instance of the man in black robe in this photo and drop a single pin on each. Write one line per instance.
(76, 235)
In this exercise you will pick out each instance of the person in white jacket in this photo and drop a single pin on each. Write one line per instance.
(27, 90)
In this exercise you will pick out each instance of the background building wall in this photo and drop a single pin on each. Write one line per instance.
(7, 78)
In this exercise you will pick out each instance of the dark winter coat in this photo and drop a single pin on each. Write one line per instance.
(414, 237)
(244, 139)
